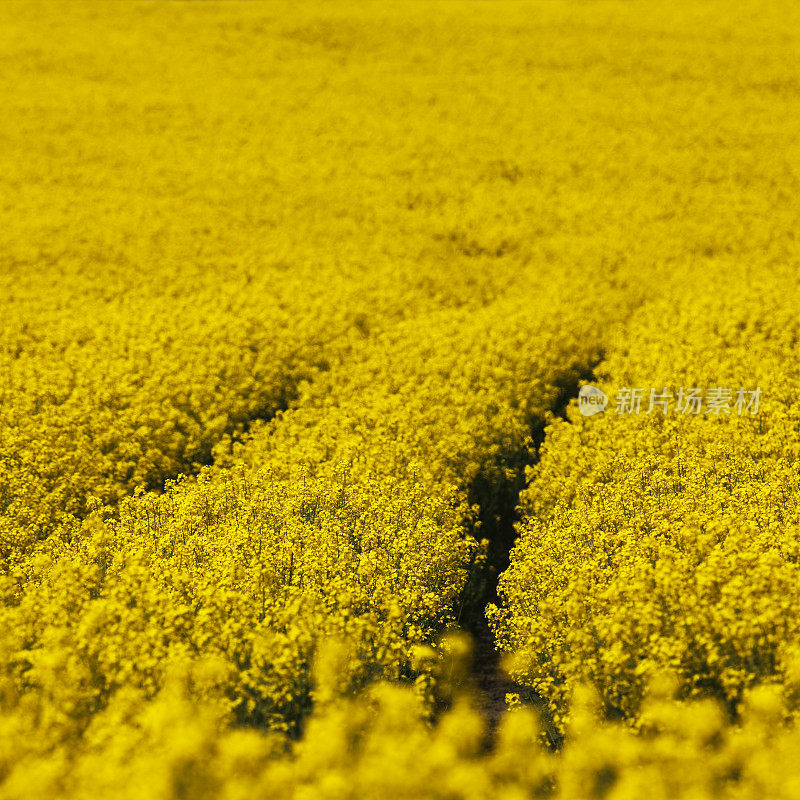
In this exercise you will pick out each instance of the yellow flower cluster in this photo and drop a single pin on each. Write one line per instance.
(376, 746)
(668, 539)
(107, 388)
(349, 514)
(167, 276)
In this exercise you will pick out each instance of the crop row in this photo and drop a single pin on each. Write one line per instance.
(667, 540)
(347, 516)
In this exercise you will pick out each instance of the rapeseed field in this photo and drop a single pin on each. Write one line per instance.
(399, 399)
